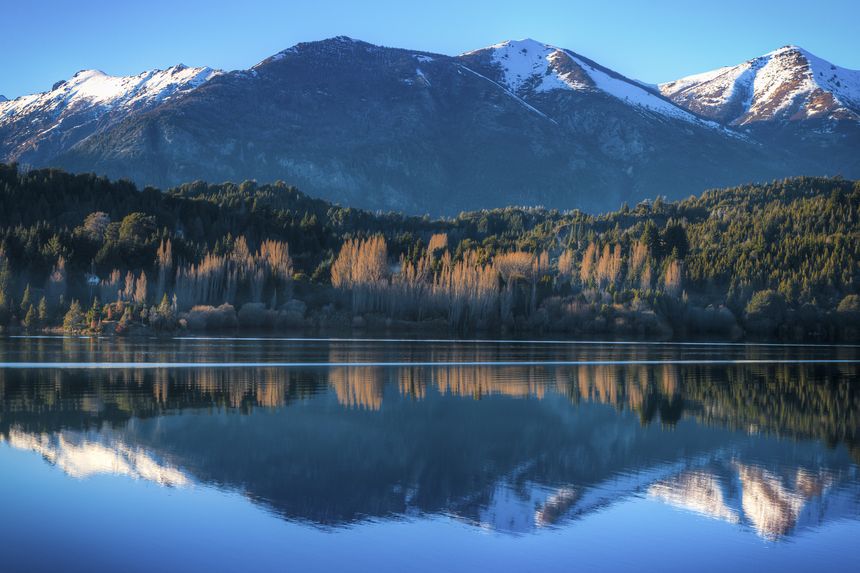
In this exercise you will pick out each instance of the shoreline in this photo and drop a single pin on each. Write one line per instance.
(417, 332)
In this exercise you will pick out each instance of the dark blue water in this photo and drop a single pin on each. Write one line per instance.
(367, 455)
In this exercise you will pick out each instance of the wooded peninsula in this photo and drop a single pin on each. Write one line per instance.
(85, 254)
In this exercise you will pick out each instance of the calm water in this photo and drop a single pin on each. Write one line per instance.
(361, 455)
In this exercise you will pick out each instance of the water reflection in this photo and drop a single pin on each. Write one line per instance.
(769, 446)
(800, 400)
(81, 456)
(774, 505)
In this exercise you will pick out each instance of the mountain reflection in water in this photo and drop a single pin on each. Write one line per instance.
(768, 442)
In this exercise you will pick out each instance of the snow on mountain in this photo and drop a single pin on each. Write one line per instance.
(40, 125)
(787, 84)
(529, 67)
(632, 92)
(841, 82)
(93, 88)
(513, 122)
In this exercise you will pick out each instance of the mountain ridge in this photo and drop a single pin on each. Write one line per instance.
(87, 102)
(518, 122)
(559, 68)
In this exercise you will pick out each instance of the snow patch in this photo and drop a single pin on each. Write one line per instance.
(421, 75)
(631, 93)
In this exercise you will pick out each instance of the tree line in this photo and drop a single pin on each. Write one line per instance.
(88, 254)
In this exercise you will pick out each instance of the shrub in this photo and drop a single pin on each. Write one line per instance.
(255, 315)
(849, 310)
(205, 317)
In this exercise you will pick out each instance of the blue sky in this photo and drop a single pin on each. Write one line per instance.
(44, 41)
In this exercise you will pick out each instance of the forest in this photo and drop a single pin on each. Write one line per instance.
(84, 254)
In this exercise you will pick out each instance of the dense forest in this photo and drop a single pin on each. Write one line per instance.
(86, 254)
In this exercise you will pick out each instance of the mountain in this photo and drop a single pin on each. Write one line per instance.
(33, 129)
(789, 84)
(527, 68)
(788, 99)
(520, 122)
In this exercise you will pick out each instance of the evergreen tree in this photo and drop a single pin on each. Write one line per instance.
(31, 318)
(26, 301)
(94, 314)
(73, 321)
(43, 311)
(240, 243)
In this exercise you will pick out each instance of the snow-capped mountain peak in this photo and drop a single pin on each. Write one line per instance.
(528, 67)
(96, 88)
(789, 84)
(531, 66)
(88, 101)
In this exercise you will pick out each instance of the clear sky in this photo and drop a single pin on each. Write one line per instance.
(43, 41)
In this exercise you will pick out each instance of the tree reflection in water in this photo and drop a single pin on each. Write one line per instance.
(515, 447)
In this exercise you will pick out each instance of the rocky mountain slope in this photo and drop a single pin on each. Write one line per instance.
(788, 84)
(789, 100)
(34, 128)
(519, 122)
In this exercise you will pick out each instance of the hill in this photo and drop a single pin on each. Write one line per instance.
(778, 259)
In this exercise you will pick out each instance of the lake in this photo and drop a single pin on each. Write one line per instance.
(279, 454)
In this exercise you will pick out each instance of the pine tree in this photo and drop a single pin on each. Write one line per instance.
(43, 311)
(57, 283)
(165, 309)
(651, 238)
(31, 318)
(126, 318)
(74, 318)
(26, 300)
(94, 314)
